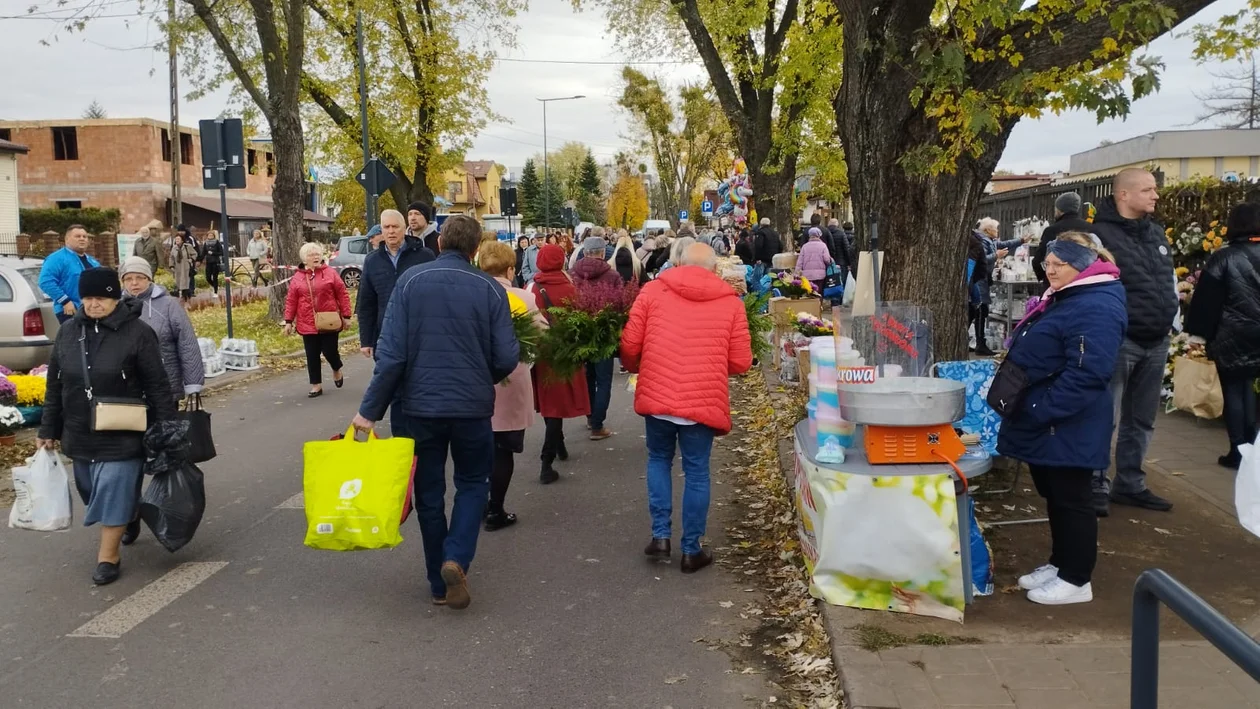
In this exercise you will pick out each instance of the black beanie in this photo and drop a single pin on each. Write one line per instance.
(99, 283)
(1244, 221)
(423, 208)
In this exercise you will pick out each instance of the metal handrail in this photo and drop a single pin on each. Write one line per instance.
(1155, 586)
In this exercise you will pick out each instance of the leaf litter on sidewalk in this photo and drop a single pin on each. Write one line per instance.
(764, 548)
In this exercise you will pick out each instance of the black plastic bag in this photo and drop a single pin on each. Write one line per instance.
(173, 505)
(200, 437)
(166, 446)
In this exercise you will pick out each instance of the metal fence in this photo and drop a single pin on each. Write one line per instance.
(1155, 586)
(1029, 202)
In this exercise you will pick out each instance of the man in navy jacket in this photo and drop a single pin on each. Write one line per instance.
(446, 341)
(396, 253)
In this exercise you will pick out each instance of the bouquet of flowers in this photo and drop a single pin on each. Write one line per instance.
(588, 329)
(792, 285)
(526, 329)
(30, 389)
(10, 420)
(811, 326)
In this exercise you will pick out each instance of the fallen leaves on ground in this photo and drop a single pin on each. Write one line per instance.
(764, 547)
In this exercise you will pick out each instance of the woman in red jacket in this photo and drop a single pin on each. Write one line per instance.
(556, 401)
(686, 335)
(316, 288)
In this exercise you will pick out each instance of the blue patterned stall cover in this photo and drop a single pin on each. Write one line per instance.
(980, 419)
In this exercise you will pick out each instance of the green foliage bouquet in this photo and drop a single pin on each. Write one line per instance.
(588, 329)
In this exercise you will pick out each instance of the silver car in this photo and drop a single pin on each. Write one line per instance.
(348, 258)
(28, 325)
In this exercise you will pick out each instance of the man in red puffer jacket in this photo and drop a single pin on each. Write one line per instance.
(687, 334)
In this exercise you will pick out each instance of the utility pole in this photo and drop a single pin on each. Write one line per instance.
(370, 200)
(177, 206)
(546, 184)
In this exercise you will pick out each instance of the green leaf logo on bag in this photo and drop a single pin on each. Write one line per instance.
(350, 489)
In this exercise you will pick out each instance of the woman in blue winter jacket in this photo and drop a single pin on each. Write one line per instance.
(1067, 346)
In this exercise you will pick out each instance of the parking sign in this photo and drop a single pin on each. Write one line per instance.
(683, 214)
(706, 208)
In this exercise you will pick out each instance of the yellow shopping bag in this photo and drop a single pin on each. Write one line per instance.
(355, 491)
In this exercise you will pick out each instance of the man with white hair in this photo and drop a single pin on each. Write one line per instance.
(146, 247)
(687, 334)
(396, 253)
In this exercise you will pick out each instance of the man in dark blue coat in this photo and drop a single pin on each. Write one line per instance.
(446, 341)
(396, 253)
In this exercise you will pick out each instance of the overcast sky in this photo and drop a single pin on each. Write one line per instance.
(103, 64)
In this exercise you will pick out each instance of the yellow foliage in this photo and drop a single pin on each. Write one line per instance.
(627, 203)
(30, 389)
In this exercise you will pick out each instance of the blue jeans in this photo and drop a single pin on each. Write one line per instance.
(471, 444)
(599, 386)
(695, 442)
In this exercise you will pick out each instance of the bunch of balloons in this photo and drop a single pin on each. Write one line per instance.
(734, 193)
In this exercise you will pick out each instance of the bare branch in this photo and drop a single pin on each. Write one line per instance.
(205, 13)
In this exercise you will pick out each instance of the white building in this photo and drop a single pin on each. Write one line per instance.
(9, 188)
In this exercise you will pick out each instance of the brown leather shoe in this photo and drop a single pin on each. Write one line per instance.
(692, 563)
(457, 595)
(600, 434)
(659, 549)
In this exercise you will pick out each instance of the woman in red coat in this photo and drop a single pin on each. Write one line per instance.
(317, 288)
(563, 400)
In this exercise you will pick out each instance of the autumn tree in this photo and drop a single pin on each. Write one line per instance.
(527, 192)
(766, 63)
(683, 137)
(627, 202)
(565, 163)
(549, 202)
(930, 94)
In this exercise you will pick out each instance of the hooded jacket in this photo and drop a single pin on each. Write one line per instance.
(1146, 270)
(1068, 350)
(446, 341)
(430, 238)
(1225, 309)
(594, 270)
(553, 397)
(377, 283)
(687, 334)
(181, 356)
(124, 356)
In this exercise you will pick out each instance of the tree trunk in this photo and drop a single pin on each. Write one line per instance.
(772, 196)
(924, 221)
(288, 233)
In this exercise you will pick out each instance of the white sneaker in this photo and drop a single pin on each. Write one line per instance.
(1058, 592)
(1038, 578)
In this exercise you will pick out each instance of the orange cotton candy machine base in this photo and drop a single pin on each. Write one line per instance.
(908, 420)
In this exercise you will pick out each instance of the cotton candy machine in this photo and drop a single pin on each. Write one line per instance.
(907, 419)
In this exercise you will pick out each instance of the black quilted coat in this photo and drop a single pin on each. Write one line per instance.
(1146, 270)
(1225, 309)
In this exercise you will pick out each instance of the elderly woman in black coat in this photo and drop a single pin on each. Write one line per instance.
(105, 378)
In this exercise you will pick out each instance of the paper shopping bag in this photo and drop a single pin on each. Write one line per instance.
(1247, 488)
(356, 491)
(1197, 388)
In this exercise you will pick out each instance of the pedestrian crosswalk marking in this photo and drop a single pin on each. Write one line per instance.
(145, 603)
(297, 502)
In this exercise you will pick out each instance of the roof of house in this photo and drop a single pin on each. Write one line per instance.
(245, 208)
(478, 168)
(1168, 144)
(474, 191)
(7, 146)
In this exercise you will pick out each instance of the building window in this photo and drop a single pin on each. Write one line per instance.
(454, 188)
(6, 134)
(69, 204)
(166, 145)
(271, 164)
(185, 148)
(251, 161)
(65, 143)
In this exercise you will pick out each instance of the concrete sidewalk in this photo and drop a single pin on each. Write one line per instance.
(1056, 659)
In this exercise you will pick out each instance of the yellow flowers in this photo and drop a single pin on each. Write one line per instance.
(1182, 271)
(517, 305)
(30, 389)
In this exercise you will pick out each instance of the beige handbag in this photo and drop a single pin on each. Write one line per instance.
(112, 413)
(325, 321)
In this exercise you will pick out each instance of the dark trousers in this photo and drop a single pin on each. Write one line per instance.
(553, 439)
(471, 446)
(1240, 406)
(324, 343)
(979, 318)
(506, 445)
(212, 277)
(599, 385)
(1073, 521)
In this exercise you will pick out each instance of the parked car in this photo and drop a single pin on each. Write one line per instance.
(348, 257)
(28, 325)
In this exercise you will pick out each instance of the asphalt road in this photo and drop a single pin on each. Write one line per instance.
(566, 610)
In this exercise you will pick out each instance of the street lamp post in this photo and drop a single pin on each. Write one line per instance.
(546, 184)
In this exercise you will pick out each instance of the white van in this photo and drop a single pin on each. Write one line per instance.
(656, 226)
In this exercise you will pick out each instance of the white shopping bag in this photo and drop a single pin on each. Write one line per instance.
(1247, 489)
(43, 494)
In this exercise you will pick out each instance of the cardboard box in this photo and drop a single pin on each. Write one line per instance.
(782, 310)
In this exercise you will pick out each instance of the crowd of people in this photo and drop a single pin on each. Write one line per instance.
(1087, 360)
